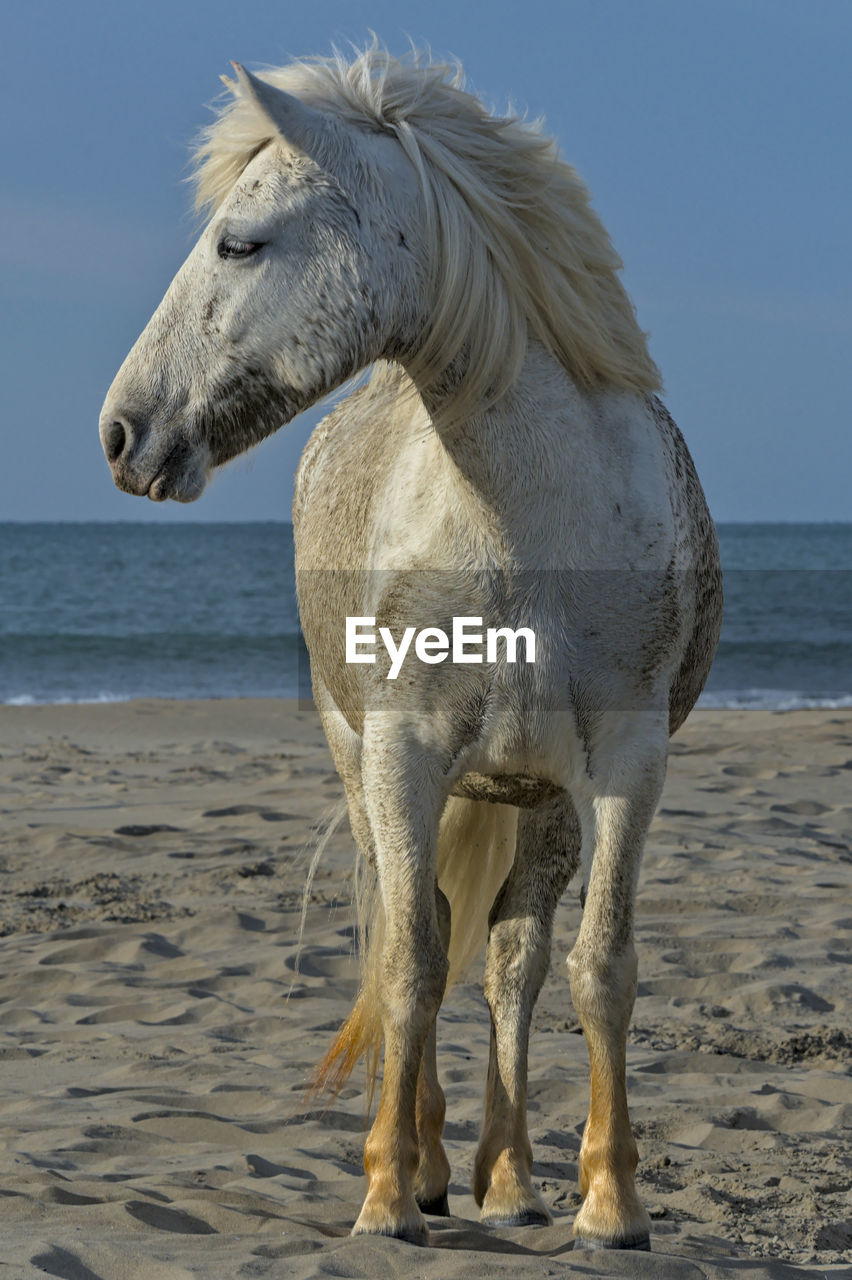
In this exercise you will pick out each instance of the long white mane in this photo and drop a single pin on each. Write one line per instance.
(514, 246)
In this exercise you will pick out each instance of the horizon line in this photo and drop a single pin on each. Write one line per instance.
(157, 523)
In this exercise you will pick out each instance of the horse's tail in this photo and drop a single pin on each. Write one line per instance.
(476, 845)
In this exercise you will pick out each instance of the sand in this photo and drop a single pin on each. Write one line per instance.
(153, 1067)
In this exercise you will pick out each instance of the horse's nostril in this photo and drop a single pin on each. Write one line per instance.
(115, 438)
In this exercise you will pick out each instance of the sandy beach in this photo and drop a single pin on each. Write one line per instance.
(156, 1037)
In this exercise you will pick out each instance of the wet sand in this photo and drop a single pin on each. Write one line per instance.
(153, 1067)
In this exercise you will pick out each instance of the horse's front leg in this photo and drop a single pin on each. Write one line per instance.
(602, 969)
(516, 960)
(404, 794)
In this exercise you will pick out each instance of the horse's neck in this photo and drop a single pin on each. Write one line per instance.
(551, 474)
(525, 454)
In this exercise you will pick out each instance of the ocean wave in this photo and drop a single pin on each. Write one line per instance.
(732, 700)
(33, 700)
(772, 700)
(84, 698)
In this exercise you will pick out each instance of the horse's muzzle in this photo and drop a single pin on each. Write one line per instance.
(121, 438)
(159, 465)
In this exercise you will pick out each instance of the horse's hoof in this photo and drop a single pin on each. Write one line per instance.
(642, 1243)
(438, 1207)
(411, 1235)
(524, 1218)
(374, 1220)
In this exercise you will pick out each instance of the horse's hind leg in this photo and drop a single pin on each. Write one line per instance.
(404, 797)
(433, 1170)
(602, 969)
(516, 962)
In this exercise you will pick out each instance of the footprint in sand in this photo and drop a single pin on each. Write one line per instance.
(749, 771)
(804, 808)
(144, 829)
(175, 1220)
(243, 810)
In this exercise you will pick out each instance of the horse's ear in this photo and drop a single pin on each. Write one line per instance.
(306, 128)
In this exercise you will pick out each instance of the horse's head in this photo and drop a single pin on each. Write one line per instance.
(305, 274)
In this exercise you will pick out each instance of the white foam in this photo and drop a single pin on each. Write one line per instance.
(29, 700)
(772, 700)
(733, 700)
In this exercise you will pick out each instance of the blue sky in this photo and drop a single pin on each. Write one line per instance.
(714, 135)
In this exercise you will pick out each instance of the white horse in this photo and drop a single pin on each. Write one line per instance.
(508, 460)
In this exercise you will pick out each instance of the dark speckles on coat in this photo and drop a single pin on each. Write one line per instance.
(208, 314)
(694, 525)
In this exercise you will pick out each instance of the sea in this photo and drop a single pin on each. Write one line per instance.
(106, 612)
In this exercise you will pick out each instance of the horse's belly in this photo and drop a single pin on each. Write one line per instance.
(521, 790)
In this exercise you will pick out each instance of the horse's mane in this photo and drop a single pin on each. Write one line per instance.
(515, 247)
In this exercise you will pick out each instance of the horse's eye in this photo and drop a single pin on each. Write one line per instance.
(229, 247)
